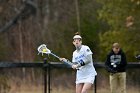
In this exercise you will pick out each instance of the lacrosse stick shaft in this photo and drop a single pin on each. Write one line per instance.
(69, 63)
(55, 55)
(66, 62)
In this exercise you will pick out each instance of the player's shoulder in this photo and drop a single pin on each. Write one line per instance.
(74, 52)
(85, 47)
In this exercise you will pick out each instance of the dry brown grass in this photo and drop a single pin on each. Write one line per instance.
(60, 87)
(39, 89)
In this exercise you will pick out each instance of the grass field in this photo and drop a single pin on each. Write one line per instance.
(65, 84)
(39, 89)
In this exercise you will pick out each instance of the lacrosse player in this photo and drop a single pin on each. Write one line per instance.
(86, 73)
(116, 66)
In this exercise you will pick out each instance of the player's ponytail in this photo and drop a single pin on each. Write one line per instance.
(77, 35)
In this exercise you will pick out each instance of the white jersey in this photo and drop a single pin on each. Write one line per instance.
(87, 72)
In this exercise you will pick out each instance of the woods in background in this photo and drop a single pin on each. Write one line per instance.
(54, 22)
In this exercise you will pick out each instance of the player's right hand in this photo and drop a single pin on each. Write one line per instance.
(63, 59)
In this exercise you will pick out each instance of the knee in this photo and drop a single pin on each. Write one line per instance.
(84, 91)
(78, 91)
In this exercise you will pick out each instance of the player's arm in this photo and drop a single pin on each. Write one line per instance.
(83, 61)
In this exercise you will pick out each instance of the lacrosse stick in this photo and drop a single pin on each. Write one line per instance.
(44, 50)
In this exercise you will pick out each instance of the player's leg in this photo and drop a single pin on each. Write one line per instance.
(122, 81)
(86, 87)
(113, 82)
(79, 87)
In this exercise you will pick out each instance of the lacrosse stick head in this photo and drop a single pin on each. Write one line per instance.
(43, 49)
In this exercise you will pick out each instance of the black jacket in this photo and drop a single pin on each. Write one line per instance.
(116, 62)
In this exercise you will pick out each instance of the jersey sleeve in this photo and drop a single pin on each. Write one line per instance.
(87, 51)
(73, 59)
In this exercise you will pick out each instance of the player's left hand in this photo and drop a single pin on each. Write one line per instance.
(75, 66)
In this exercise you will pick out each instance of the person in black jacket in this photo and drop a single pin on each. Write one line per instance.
(116, 66)
(137, 57)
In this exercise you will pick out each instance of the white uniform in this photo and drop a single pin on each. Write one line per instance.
(86, 73)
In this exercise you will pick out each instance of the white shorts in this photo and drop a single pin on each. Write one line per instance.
(86, 80)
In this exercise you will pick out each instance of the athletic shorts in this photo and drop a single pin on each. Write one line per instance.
(86, 80)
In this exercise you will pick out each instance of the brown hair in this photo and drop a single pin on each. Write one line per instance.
(77, 33)
(115, 45)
